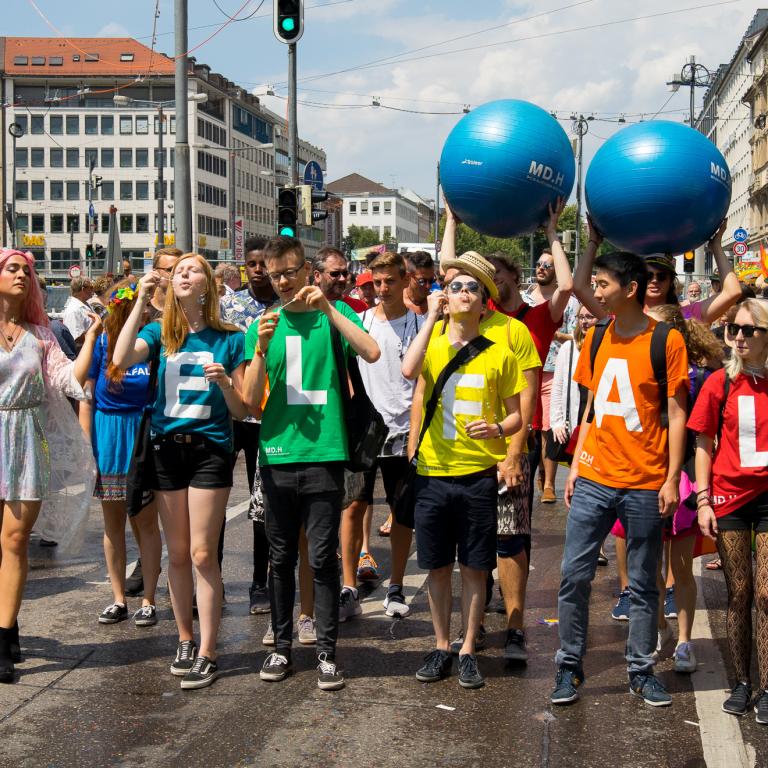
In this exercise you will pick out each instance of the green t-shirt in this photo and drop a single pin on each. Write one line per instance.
(303, 419)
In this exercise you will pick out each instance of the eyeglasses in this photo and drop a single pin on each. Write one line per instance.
(544, 265)
(337, 273)
(457, 286)
(288, 274)
(748, 331)
(659, 277)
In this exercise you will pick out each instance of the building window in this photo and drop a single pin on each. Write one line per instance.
(22, 160)
(38, 190)
(142, 124)
(57, 223)
(364, 207)
(64, 258)
(142, 190)
(126, 222)
(56, 61)
(73, 222)
(37, 123)
(57, 190)
(165, 190)
(56, 158)
(387, 208)
(73, 190)
(126, 124)
(387, 231)
(91, 125)
(126, 158)
(22, 222)
(22, 190)
(22, 121)
(20, 61)
(107, 158)
(353, 209)
(91, 155)
(38, 61)
(126, 191)
(73, 157)
(73, 125)
(107, 125)
(38, 223)
(91, 56)
(126, 57)
(56, 125)
(157, 158)
(142, 158)
(105, 222)
(37, 157)
(107, 190)
(142, 223)
(375, 209)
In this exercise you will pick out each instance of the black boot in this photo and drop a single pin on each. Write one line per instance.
(6, 663)
(15, 644)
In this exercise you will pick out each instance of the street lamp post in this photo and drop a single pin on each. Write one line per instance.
(580, 128)
(16, 132)
(693, 75)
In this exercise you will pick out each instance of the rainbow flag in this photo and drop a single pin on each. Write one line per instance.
(763, 260)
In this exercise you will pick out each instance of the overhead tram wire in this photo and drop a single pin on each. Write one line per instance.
(244, 18)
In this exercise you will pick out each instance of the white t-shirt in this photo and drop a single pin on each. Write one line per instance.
(75, 317)
(390, 392)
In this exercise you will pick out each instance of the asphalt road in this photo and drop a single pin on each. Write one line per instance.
(92, 695)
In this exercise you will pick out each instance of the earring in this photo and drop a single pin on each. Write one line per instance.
(202, 299)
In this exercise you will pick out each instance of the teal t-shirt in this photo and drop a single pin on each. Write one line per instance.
(303, 418)
(186, 402)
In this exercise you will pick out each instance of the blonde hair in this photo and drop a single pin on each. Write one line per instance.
(175, 326)
(734, 365)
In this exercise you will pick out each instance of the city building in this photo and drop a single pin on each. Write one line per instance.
(108, 103)
(426, 213)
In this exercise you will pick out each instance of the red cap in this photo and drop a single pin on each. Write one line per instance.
(363, 278)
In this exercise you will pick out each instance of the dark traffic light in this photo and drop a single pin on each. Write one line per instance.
(689, 262)
(310, 196)
(287, 212)
(288, 20)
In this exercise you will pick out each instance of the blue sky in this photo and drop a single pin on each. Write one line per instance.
(539, 51)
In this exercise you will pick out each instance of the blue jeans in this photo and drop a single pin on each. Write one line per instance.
(594, 509)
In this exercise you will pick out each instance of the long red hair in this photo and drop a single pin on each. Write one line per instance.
(33, 306)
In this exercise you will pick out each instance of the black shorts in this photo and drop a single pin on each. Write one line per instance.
(393, 469)
(198, 463)
(753, 516)
(456, 514)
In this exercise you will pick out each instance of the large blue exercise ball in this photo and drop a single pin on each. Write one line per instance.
(502, 164)
(658, 187)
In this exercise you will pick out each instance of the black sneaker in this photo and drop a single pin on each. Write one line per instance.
(203, 673)
(258, 599)
(329, 678)
(650, 689)
(567, 682)
(113, 614)
(761, 707)
(15, 645)
(186, 652)
(134, 584)
(514, 647)
(437, 665)
(469, 674)
(481, 640)
(146, 616)
(738, 702)
(276, 668)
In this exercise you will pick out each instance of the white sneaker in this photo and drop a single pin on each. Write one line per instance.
(662, 638)
(349, 604)
(685, 659)
(395, 604)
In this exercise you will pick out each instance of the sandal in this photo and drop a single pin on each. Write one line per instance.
(714, 565)
(386, 527)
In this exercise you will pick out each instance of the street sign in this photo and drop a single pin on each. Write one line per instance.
(313, 175)
(739, 249)
(75, 271)
(740, 235)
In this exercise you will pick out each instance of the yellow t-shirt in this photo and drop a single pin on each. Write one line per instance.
(476, 390)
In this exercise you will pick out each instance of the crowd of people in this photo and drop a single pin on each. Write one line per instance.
(484, 386)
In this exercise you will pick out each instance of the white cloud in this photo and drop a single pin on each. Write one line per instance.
(113, 29)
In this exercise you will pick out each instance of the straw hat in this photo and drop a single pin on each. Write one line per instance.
(477, 266)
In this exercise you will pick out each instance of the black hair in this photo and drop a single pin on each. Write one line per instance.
(419, 260)
(255, 244)
(626, 268)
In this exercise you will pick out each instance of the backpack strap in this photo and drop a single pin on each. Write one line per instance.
(522, 312)
(597, 339)
(659, 363)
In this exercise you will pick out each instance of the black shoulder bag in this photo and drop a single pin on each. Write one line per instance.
(141, 476)
(404, 500)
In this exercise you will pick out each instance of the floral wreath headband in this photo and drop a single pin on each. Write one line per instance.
(119, 296)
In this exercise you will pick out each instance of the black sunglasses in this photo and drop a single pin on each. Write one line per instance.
(748, 331)
(337, 273)
(659, 277)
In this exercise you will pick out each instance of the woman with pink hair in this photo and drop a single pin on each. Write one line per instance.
(35, 419)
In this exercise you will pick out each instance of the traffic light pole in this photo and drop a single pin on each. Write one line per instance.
(182, 178)
(581, 127)
(293, 132)
(161, 180)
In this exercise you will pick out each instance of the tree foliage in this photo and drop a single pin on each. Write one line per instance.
(362, 237)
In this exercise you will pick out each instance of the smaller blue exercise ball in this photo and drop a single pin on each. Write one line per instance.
(658, 187)
(502, 164)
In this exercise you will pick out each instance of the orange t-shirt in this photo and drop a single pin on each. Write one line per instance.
(626, 446)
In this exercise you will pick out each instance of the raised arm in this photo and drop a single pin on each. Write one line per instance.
(716, 306)
(414, 357)
(563, 275)
(582, 276)
(129, 350)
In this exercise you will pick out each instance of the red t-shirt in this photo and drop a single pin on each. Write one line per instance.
(538, 320)
(740, 464)
(356, 304)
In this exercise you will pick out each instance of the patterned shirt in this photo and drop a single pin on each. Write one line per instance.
(241, 309)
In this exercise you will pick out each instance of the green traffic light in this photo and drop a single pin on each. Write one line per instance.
(288, 25)
(287, 231)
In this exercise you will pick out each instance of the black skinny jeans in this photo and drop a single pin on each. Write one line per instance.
(308, 495)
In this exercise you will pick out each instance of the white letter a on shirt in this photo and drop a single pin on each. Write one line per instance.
(617, 370)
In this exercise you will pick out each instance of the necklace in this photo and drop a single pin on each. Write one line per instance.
(10, 339)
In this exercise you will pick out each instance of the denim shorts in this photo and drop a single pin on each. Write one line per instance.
(456, 515)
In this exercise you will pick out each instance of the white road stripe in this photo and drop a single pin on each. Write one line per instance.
(721, 737)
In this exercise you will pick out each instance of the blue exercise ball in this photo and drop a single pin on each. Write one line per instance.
(658, 187)
(502, 164)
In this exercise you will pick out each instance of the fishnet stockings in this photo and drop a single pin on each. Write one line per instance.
(735, 548)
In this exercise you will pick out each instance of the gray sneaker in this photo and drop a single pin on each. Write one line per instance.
(269, 636)
(349, 604)
(146, 616)
(306, 629)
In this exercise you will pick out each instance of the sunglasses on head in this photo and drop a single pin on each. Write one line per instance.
(457, 286)
(748, 331)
